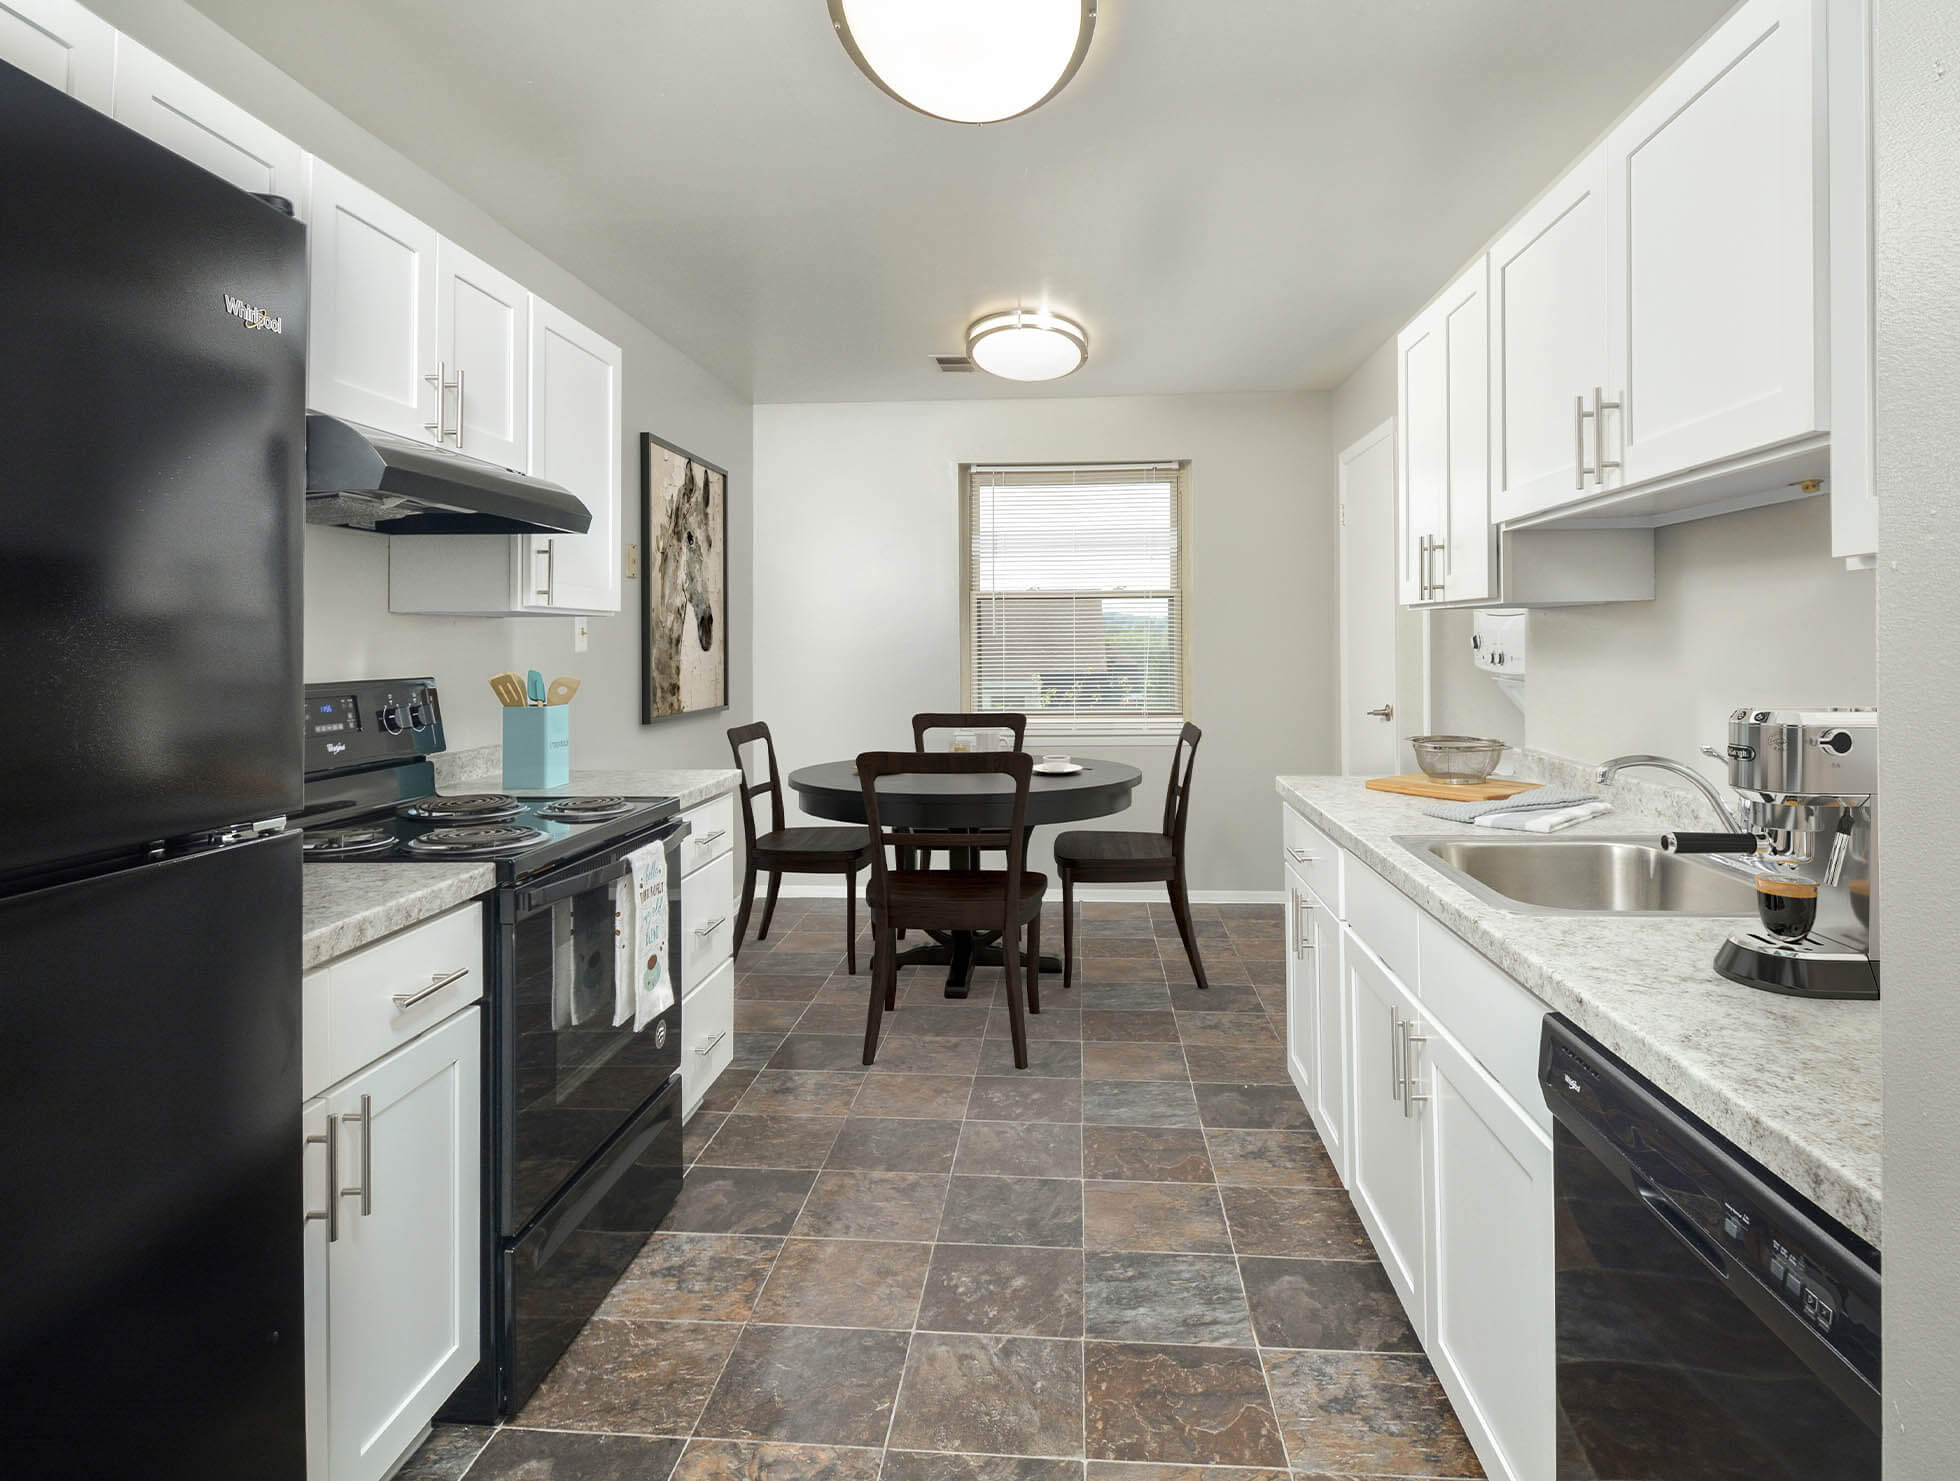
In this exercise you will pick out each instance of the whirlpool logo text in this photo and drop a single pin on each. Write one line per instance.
(252, 316)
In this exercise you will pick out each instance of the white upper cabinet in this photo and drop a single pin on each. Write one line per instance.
(1443, 401)
(1715, 216)
(372, 351)
(182, 114)
(1548, 346)
(576, 421)
(63, 45)
(1854, 504)
(483, 359)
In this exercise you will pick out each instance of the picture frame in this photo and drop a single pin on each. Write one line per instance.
(683, 582)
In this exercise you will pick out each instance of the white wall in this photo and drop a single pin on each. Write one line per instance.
(857, 585)
(349, 630)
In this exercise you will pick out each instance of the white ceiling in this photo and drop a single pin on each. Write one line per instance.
(1231, 195)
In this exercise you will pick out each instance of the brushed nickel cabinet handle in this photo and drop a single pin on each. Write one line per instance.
(1300, 856)
(444, 385)
(366, 1191)
(1386, 712)
(1394, 1053)
(709, 1047)
(543, 588)
(704, 839)
(436, 985)
(1601, 406)
(459, 408)
(1579, 468)
(712, 926)
(1411, 1097)
(331, 1213)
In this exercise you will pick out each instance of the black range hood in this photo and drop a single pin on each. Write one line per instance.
(366, 479)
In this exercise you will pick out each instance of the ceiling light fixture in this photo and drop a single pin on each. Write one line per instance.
(967, 61)
(1024, 345)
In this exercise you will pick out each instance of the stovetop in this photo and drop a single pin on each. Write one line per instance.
(522, 835)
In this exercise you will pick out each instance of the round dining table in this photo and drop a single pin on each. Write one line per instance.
(831, 789)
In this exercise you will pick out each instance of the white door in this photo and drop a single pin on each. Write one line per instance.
(1302, 987)
(1714, 220)
(1329, 1105)
(1490, 1286)
(575, 442)
(483, 337)
(402, 1278)
(63, 45)
(170, 106)
(1548, 345)
(1368, 604)
(371, 346)
(1385, 1129)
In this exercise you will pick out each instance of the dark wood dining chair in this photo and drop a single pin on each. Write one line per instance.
(961, 898)
(929, 720)
(1086, 856)
(782, 850)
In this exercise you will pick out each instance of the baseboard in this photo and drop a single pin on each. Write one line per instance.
(1097, 895)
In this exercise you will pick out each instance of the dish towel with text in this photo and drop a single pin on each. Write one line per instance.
(1541, 810)
(643, 958)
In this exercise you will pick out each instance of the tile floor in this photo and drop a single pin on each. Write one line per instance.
(945, 1269)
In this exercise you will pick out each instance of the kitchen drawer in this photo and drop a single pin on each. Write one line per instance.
(713, 836)
(708, 1027)
(707, 920)
(367, 1015)
(1494, 1019)
(1384, 918)
(1312, 855)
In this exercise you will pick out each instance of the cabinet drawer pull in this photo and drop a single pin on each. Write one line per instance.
(1303, 917)
(1300, 856)
(1394, 1053)
(436, 985)
(1411, 1097)
(331, 1213)
(712, 926)
(1600, 461)
(1579, 468)
(366, 1191)
(703, 840)
(709, 1047)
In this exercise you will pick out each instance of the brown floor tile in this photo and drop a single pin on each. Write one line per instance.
(1033, 1149)
(801, 1092)
(1311, 1223)
(1272, 1107)
(648, 1378)
(1345, 1305)
(748, 1460)
(924, 1056)
(873, 1205)
(736, 1200)
(752, 1017)
(768, 987)
(921, 1465)
(1154, 1216)
(1223, 967)
(1184, 1405)
(1366, 1413)
(1118, 969)
(1121, 997)
(842, 1020)
(1090, 945)
(998, 1288)
(696, 1134)
(1045, 1057)
(1145, 1154)
(1054, 1022)
(1139, 1103)
(1264, 947)
(807, 1385)
(845, 1283)
(522, 1455)
(935, 1097)
(753, 1051)
(1121, 1470)
(1225, 1028)
(1288, 1159)
(998, 1395)
(1143, 1026)
(1135, 1296)
(1220, 997)
(772, 1141)
(1024, 1097)
(895, 1144)
(1266, 974)
(940, 1020)
(802, 962)
(1133, 1062)
(1237, 1064)
(1013, 1211)
(729, 1087)
(693, 1278)
(447, 1453)
(821, 1051)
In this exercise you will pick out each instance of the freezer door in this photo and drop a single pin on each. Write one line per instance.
(151, 1305)
(151, 489)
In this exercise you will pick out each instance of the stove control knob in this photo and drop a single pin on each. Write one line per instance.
(390, 716)
(418, 715)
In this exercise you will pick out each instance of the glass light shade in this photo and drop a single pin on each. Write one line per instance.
(967, 61)
(1022, 346)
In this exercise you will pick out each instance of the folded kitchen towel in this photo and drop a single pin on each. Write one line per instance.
(1539, 799)
(1545, 819)
(649, 964)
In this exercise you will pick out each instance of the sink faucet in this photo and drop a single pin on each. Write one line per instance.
(1608, 769)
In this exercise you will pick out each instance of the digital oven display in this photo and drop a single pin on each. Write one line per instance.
(332, 716)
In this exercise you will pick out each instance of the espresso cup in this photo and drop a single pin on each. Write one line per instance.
(1054, 761)
(1788, 907)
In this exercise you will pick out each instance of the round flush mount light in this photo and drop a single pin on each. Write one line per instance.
(1027, 345)
(967, 61)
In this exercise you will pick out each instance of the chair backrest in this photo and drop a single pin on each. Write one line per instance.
(739, 737)
(1005, 835)
(996, 720)
(1177, 794)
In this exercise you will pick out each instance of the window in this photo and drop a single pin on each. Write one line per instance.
(1073, 596)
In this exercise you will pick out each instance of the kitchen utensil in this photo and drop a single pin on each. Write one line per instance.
(508, 688)
(1457, 758)
(561, 691)
(534, 687)
(1411, 785)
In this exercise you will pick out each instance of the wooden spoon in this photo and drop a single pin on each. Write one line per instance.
(561, 691)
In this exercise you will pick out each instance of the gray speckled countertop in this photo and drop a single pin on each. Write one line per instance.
(1794, 1083)
(349, 905)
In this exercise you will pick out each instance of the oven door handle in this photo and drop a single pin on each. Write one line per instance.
(1682, 1227)
(531, 897)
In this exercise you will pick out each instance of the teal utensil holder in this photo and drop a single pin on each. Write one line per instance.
(537, 746)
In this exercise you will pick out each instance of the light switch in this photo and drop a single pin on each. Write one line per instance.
(581, 634)
(632, 563)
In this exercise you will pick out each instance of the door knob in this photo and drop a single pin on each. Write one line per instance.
(1386, 712)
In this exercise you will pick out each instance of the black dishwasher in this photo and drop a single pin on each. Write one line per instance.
(1713, 1325)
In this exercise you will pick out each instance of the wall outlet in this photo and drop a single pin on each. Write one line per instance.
(632, 563)
(581, 634)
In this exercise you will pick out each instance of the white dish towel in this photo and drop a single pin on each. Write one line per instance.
(1541, 810)
(643, 959)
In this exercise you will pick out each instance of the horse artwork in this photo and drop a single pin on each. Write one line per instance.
(684, 519)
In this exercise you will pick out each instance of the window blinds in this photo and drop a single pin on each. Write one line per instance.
(1074, 609)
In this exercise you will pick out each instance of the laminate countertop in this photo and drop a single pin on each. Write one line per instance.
(1794, 1083)
(348, 906)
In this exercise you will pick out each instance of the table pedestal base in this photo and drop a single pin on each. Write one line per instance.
(960, 952)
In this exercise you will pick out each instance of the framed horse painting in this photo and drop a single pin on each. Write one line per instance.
(684, 627)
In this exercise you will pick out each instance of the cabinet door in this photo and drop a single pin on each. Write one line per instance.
(483, 335)
(371, 352)
(315, 1239)
(176, 110)
(1714, 218)
(1548, 345)
(402, 1278)
(1330, 1099)
(1422, 414)
(1302, 989)
(1490, 1321)
(1854, 503)
(575, 437)
(1385, 1129)
(1460, 562)
(708, 1024)
(63, 45)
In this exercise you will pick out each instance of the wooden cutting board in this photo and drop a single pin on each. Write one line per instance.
(1418, 785)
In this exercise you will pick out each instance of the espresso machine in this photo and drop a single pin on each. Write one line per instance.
(1808, 785)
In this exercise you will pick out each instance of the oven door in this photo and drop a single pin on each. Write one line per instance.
(565, 1077)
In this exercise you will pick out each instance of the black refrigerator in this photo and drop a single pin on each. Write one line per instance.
(152, 415)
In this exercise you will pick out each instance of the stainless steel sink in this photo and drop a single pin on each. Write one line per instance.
(1585, 876)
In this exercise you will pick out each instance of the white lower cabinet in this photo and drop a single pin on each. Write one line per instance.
(1386, 1130)
(1315, 1016)
(707, 950)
